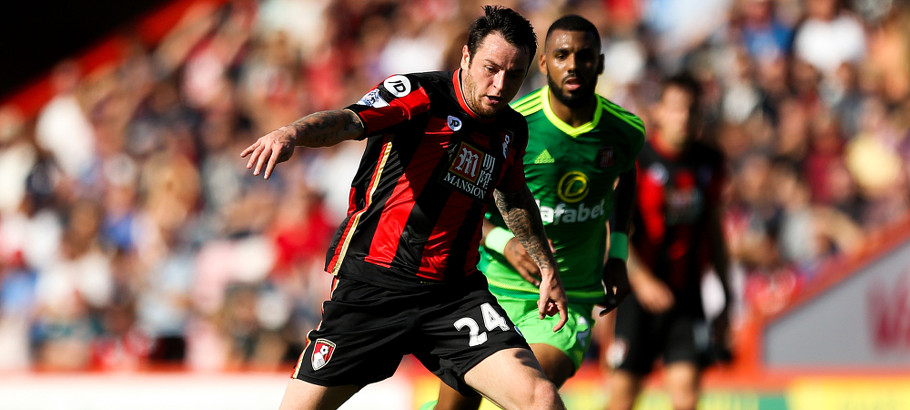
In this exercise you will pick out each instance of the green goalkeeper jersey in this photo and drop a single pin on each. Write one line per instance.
(571, 171)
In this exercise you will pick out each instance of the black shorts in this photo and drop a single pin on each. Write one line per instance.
(366, 330)
(641, 337)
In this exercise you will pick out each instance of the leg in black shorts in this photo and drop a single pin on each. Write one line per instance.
(641, 337)
(365, 331)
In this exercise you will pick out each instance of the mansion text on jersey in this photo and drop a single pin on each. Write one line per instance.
(465, 186)
(563, 213)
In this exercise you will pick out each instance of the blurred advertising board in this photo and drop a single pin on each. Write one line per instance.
(861, 322)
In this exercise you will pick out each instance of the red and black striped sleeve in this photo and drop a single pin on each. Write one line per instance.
(397, 99)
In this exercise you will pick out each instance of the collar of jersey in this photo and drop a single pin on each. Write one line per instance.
(459, 95)
(566, 128)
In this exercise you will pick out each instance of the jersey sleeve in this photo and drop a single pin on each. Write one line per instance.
(514, 177)
(637, 143)
(650, 198)
(397, 99)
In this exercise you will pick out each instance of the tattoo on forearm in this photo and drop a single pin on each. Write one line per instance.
(326, 128)
(521, 215)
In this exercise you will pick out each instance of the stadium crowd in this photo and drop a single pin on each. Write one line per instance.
(132, 237)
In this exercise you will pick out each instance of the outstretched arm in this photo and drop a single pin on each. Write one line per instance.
(615, 272)
(522, 216)
(320, 129)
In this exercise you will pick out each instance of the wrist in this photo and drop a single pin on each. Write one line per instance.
(497, 239)
(288, 133)
(619, 246)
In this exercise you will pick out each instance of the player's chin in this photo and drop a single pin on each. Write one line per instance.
(575, 96)
(491, 109)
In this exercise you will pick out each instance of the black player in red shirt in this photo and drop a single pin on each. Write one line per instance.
(677, 237)
(441, 145)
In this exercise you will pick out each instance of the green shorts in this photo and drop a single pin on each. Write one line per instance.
(573, 339)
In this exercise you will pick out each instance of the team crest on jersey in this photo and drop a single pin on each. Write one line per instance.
(398, 85)
(373, 99)
(322, 353)
(605, 157)
(471, 171)
(454, 123)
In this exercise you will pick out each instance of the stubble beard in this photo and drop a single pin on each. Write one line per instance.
(575, 100)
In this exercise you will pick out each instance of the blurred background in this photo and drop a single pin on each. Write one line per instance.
(138, 255)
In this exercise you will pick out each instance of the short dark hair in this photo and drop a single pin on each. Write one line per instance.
(574, 22)
(687, 83)
(516, 29)
(690, 85)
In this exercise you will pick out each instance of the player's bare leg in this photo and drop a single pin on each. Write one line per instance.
(526, 387)
(301, 395)
(556, 366)
(682, 379)
(624, 389)
(451, 399)
(555, 363)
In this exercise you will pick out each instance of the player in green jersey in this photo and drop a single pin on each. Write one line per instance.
(580, 145)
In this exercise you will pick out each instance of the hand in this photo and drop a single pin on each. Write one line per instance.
(552, 297)
(516, 254)
(270, 149)
(616, 284)
(654, 295)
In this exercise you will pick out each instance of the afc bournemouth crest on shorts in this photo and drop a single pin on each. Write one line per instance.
(322, 353)
(617, 352)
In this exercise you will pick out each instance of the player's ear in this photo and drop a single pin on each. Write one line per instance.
(465, 58)
(542, 62)
(600, 65)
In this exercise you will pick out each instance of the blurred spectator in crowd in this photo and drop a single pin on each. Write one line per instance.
(764, 35)
(829, 36)
(63, 126)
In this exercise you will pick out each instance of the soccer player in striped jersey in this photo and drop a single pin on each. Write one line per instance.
(678, 238)
(441, 147)
(580, 144)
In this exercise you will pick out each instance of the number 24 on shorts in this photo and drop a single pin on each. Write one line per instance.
(491, 320)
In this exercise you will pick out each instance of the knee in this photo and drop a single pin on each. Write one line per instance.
(685, 400)
(545, 395)
(621, 400)
(624, 389)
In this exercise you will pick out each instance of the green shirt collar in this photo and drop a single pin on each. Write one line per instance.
(566, 128)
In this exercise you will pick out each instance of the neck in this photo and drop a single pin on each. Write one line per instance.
(668, 144)
(575, 116)
(467, 102)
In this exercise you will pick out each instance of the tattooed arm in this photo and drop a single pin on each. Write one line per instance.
(320, 129)
(522, 216)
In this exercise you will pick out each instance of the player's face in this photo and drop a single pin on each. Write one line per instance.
(571, 62)
(672, 114)
(493, 76)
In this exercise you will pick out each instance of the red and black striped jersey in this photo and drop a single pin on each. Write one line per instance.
(427, 174)
(675, 196)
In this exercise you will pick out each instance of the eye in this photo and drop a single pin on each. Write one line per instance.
(489, 69)
(586, 55)
(515, 75)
